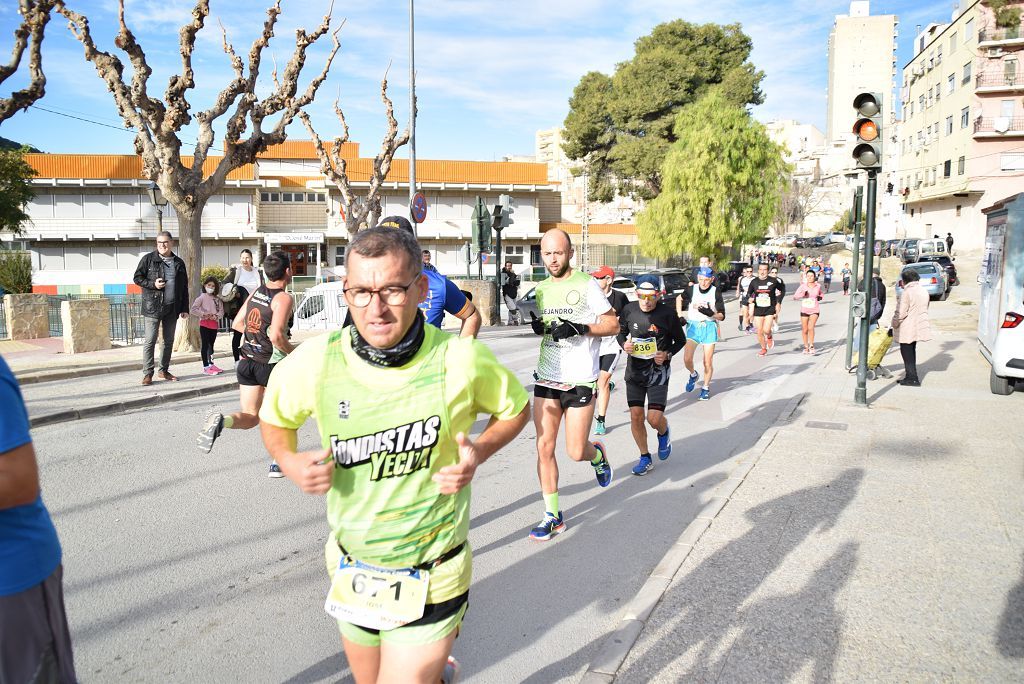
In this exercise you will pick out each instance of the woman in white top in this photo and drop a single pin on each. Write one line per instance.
(247, 278)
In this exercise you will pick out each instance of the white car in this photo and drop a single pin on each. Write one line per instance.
(1001, 309)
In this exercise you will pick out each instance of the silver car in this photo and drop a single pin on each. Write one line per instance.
(933, 279)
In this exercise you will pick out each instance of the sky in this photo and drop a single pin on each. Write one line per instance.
(489, 73)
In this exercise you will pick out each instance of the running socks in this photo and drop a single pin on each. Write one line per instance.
(600, 419)
(228, 422)
(398, 355)
(551, 503)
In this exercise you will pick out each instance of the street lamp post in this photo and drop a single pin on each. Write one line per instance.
(156, 198)
(412, 111)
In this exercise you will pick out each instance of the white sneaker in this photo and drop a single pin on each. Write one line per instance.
(450, 674)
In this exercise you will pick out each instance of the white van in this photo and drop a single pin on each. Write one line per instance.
(322, 308)
(931, 247)
(1001, 312)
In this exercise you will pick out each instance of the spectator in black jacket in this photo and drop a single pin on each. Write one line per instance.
(164, 281)
(877, 295)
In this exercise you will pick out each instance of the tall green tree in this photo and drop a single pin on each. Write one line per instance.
(722, 182)
(621, 126)
(15, 189)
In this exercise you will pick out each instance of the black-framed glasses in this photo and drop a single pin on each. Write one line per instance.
(163, 242)
(394, 295)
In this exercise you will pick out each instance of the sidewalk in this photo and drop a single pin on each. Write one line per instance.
(855, 544)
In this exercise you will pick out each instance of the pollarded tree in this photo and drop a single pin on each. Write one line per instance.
(360, 209)
(189, 182)
(35, 14)
(722, 180)
(622, 125)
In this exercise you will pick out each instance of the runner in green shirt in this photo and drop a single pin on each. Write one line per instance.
(575, 315)
(394, 400)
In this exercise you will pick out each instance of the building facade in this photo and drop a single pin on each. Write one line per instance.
(962, 144)
(92, 218)
(861, 57)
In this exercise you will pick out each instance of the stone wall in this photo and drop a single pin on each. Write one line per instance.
(483, 292)
(86, 325)
(27, 316)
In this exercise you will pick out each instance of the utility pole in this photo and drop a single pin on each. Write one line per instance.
(412, 111)
(858, 196)
(860, 396)
(585, 227)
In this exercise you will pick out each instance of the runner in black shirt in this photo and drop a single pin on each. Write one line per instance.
(763, 296)
(773, 272)
(650, 332)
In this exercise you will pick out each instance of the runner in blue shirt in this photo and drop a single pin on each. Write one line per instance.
(35, 644)
(827, 275)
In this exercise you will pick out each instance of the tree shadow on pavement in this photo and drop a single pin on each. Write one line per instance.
(1010, 640)
(706, 601)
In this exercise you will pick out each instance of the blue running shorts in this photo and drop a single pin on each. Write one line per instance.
(704, 332)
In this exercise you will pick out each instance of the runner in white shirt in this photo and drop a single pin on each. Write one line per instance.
(574, 315)
(610, 349)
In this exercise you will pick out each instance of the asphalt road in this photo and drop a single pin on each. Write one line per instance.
(181, 566)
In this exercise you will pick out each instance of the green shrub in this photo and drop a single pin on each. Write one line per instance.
(217, 271)
(15, 272)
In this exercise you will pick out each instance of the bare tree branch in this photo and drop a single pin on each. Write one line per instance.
(35, 14)
(359, 209)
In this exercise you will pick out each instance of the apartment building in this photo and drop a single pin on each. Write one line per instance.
(861, 57)
(962, 142)
(92, 217)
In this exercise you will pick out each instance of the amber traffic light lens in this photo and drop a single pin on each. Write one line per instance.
(866, 130)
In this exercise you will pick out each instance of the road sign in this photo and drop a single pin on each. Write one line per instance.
(419, 207)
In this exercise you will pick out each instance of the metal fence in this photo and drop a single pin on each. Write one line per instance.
(127, 324)
(3, 320)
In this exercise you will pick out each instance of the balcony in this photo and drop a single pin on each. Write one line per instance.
(999, 127)
(1004, 36)
(999, 82)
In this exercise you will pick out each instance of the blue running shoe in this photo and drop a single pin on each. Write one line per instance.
(692, 382)
(602, 469)
(643, 466)
(705, 394)
(600, 429)
(665, 444)
(548, 528)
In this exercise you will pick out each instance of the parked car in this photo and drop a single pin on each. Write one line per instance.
(671, 282)
(931, 247)
(816, 241)
(946, 263)
(910, 251)
(527, 301)
(835, 238)
(889, 248)
(897, 251)
(933, 279)
(800, 242)
(732, 274)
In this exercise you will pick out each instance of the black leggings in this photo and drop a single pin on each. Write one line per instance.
(909, 353)
(236, 342)
(207, 336)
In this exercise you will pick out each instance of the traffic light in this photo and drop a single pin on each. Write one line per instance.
(506, 215)
(867, 150)
(480, 223)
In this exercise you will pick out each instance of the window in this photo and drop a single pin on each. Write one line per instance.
(960, 164)
(1006, 108)
(931, 96)
(339, 255)
(936, 129)
(967, 74)
(959, 208)
(965, 116)
(911, 108)
(67, 206)
(1011, 161)
(920, 102)
(312, 197)
(275, 197)
(969, 30)
(515, 254)
(947, 168)
(287, 197)
(952, 42)
(128, 257)
(51, 258)
(14, 246)
(104, 258)
(949, 125)
(1010, 70)
(951, 84)
(97, 206)
(264, 197)
(938, 93)
(938, 55)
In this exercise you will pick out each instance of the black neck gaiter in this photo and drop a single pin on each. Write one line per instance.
(399, 355)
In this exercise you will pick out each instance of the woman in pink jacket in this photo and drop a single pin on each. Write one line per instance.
(910, 324)
(808, 294)
(209, 309)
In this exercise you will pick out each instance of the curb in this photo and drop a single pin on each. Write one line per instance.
(131, 404)
(67, 373)
(617, 644)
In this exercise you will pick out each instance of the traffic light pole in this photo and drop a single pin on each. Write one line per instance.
(858, 196)
(860, 395)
